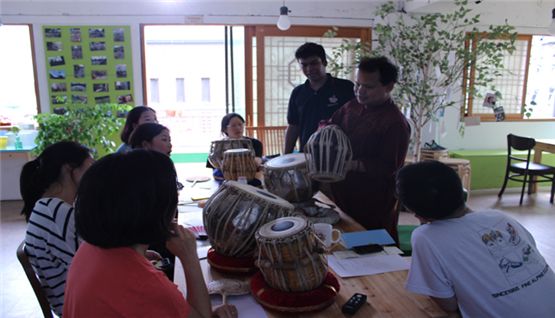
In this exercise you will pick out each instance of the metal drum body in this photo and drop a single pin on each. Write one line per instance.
(287, 176)
(234, 213)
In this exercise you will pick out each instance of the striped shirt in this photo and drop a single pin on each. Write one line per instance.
(51, 242)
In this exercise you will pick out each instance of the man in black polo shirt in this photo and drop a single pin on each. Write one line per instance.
(315, 100)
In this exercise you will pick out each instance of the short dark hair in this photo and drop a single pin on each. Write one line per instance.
(310, 49)
(227, 118)
(430, 189)
(145, 132)
(388, 71)
(38, 174)
(126, 199)
(132, 119)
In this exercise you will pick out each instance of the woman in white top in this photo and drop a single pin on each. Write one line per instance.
(48, 186)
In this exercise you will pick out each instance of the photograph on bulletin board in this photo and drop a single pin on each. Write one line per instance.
(88, 65)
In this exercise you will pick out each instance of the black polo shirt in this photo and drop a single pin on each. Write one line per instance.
(308, 107)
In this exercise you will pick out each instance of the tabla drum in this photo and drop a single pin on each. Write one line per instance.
(328, 152)
(239, 163)
(287, 177)
(290, 255)
(234, 213)
(218, 147)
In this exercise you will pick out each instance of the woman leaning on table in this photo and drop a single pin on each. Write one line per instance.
(126, 202)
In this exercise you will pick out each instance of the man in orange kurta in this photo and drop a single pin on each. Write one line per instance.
(379, 135)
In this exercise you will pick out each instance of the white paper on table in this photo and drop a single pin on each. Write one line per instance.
(367, 265)
(246, 306)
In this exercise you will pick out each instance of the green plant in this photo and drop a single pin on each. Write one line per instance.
(91, 126)
(15, 130)
(527, 110)
(433, 59)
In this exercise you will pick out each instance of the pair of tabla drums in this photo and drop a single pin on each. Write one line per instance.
(328, 152)
(235, 157)
(242, 221)
(234, 213)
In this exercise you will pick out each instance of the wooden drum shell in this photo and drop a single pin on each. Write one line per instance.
(293, 263)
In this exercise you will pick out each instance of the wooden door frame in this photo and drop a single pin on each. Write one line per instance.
(260, 31)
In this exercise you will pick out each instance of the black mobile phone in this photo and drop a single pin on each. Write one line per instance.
(367, 249)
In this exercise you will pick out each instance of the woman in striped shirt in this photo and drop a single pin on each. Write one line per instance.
(48, 185)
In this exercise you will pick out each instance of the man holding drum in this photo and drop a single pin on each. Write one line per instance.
(315, 100)
(379, 135)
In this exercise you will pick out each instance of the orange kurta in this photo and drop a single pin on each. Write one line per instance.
(379, 137)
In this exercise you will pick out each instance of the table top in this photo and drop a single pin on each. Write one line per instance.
(12, 149)
(386, 294)
(546, 143)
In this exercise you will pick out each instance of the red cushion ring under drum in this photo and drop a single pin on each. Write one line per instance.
(312, 300)
(229, 264)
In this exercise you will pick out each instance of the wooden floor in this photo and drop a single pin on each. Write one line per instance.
(17, 298)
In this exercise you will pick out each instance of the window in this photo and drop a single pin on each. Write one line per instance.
(540, 92)
(18, 100)
(180, 90)
(527, 89)
(205, 88)
(154, 90)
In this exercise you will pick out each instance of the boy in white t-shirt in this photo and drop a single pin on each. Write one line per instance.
(483, 263)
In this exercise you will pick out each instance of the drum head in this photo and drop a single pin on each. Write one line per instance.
(261, 194)
(282, 227)
(287, 161)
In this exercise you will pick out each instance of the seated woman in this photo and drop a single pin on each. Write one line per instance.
(232, 127)
(48, 186)
(136, 116)
(152, 136)
(124, 203)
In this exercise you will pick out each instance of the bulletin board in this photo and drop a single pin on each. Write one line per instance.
(88, 65)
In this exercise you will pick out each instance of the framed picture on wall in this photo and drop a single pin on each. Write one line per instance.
(88, 64)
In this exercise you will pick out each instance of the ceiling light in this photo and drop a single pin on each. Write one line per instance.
(283, 22)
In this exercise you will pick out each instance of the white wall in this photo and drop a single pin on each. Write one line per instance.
(529, 16)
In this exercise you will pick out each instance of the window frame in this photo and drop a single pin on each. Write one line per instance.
(261, 31)
(34, 61)
(468, 83)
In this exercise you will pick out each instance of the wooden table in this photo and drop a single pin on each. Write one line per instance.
(542, 145)
(386, 293)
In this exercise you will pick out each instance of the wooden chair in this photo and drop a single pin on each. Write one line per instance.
(525, 170)
(272, 138)
(33, 279)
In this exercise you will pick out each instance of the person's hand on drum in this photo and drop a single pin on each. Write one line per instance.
(225, 311)
(183, 243)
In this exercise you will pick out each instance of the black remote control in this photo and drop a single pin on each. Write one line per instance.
(353, 304)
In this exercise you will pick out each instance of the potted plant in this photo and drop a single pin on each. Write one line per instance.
(433, 59)
(92, 126)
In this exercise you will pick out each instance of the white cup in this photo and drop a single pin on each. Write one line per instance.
(326, 233)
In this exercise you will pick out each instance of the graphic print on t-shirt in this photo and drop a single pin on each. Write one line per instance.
(517, 260)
